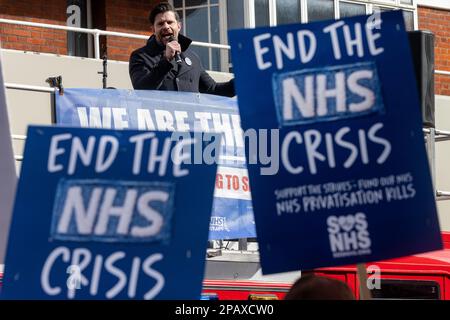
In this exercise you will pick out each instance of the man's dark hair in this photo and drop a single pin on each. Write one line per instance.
(313, 287)
(161, 8)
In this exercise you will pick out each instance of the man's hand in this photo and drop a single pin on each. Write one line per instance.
(172, 48)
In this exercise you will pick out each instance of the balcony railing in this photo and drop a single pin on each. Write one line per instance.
(97, 33)
(431, 135)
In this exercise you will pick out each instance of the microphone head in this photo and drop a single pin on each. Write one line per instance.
(171, 38)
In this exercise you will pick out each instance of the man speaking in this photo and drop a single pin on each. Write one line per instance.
(167, 63)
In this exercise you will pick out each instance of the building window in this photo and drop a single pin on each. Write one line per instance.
(409, 19)
(262, 13)
(201, 21)
(288, 11)
(79, 15)
(320, 10)
(235, 14)
(276, 12)
(208, 20)
(351, 9)
(407, 289)
(408, 16)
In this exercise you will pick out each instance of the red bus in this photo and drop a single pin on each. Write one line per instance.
(237, 276)
(421, 276)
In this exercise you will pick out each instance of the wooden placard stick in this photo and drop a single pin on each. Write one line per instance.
(364, 292)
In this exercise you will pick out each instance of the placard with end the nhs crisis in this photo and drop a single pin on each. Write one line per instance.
(335, 149)
(108, 214)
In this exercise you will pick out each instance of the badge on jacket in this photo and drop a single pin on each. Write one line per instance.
(188, 61)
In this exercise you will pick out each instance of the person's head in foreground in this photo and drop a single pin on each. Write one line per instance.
(313, 287)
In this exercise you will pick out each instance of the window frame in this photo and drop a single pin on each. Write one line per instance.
(394, 4)
(408, 8)
(221, 5)
(338, 11)
(89, 37)
(410, 282)
(249, 18)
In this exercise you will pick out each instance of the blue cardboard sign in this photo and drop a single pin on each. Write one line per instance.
(103, 214)
(232, 215)
(340, 174)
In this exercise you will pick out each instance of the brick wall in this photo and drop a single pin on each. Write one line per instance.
(438, 22)
(31, 38)
(130, 16)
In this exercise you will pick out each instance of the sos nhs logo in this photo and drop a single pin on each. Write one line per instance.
(348, 235)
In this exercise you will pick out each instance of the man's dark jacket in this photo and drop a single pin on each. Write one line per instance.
(149, 70)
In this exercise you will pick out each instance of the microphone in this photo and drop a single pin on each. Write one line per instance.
(177, 55)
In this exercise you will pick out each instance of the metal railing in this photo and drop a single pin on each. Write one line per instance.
(441, 135)
(442, 195)
(29, 88)
(432, 136)
(97, 33)
(445, 73)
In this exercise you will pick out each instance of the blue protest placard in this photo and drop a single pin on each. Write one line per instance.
(337, 164)
(103, 214)
(232, 215)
